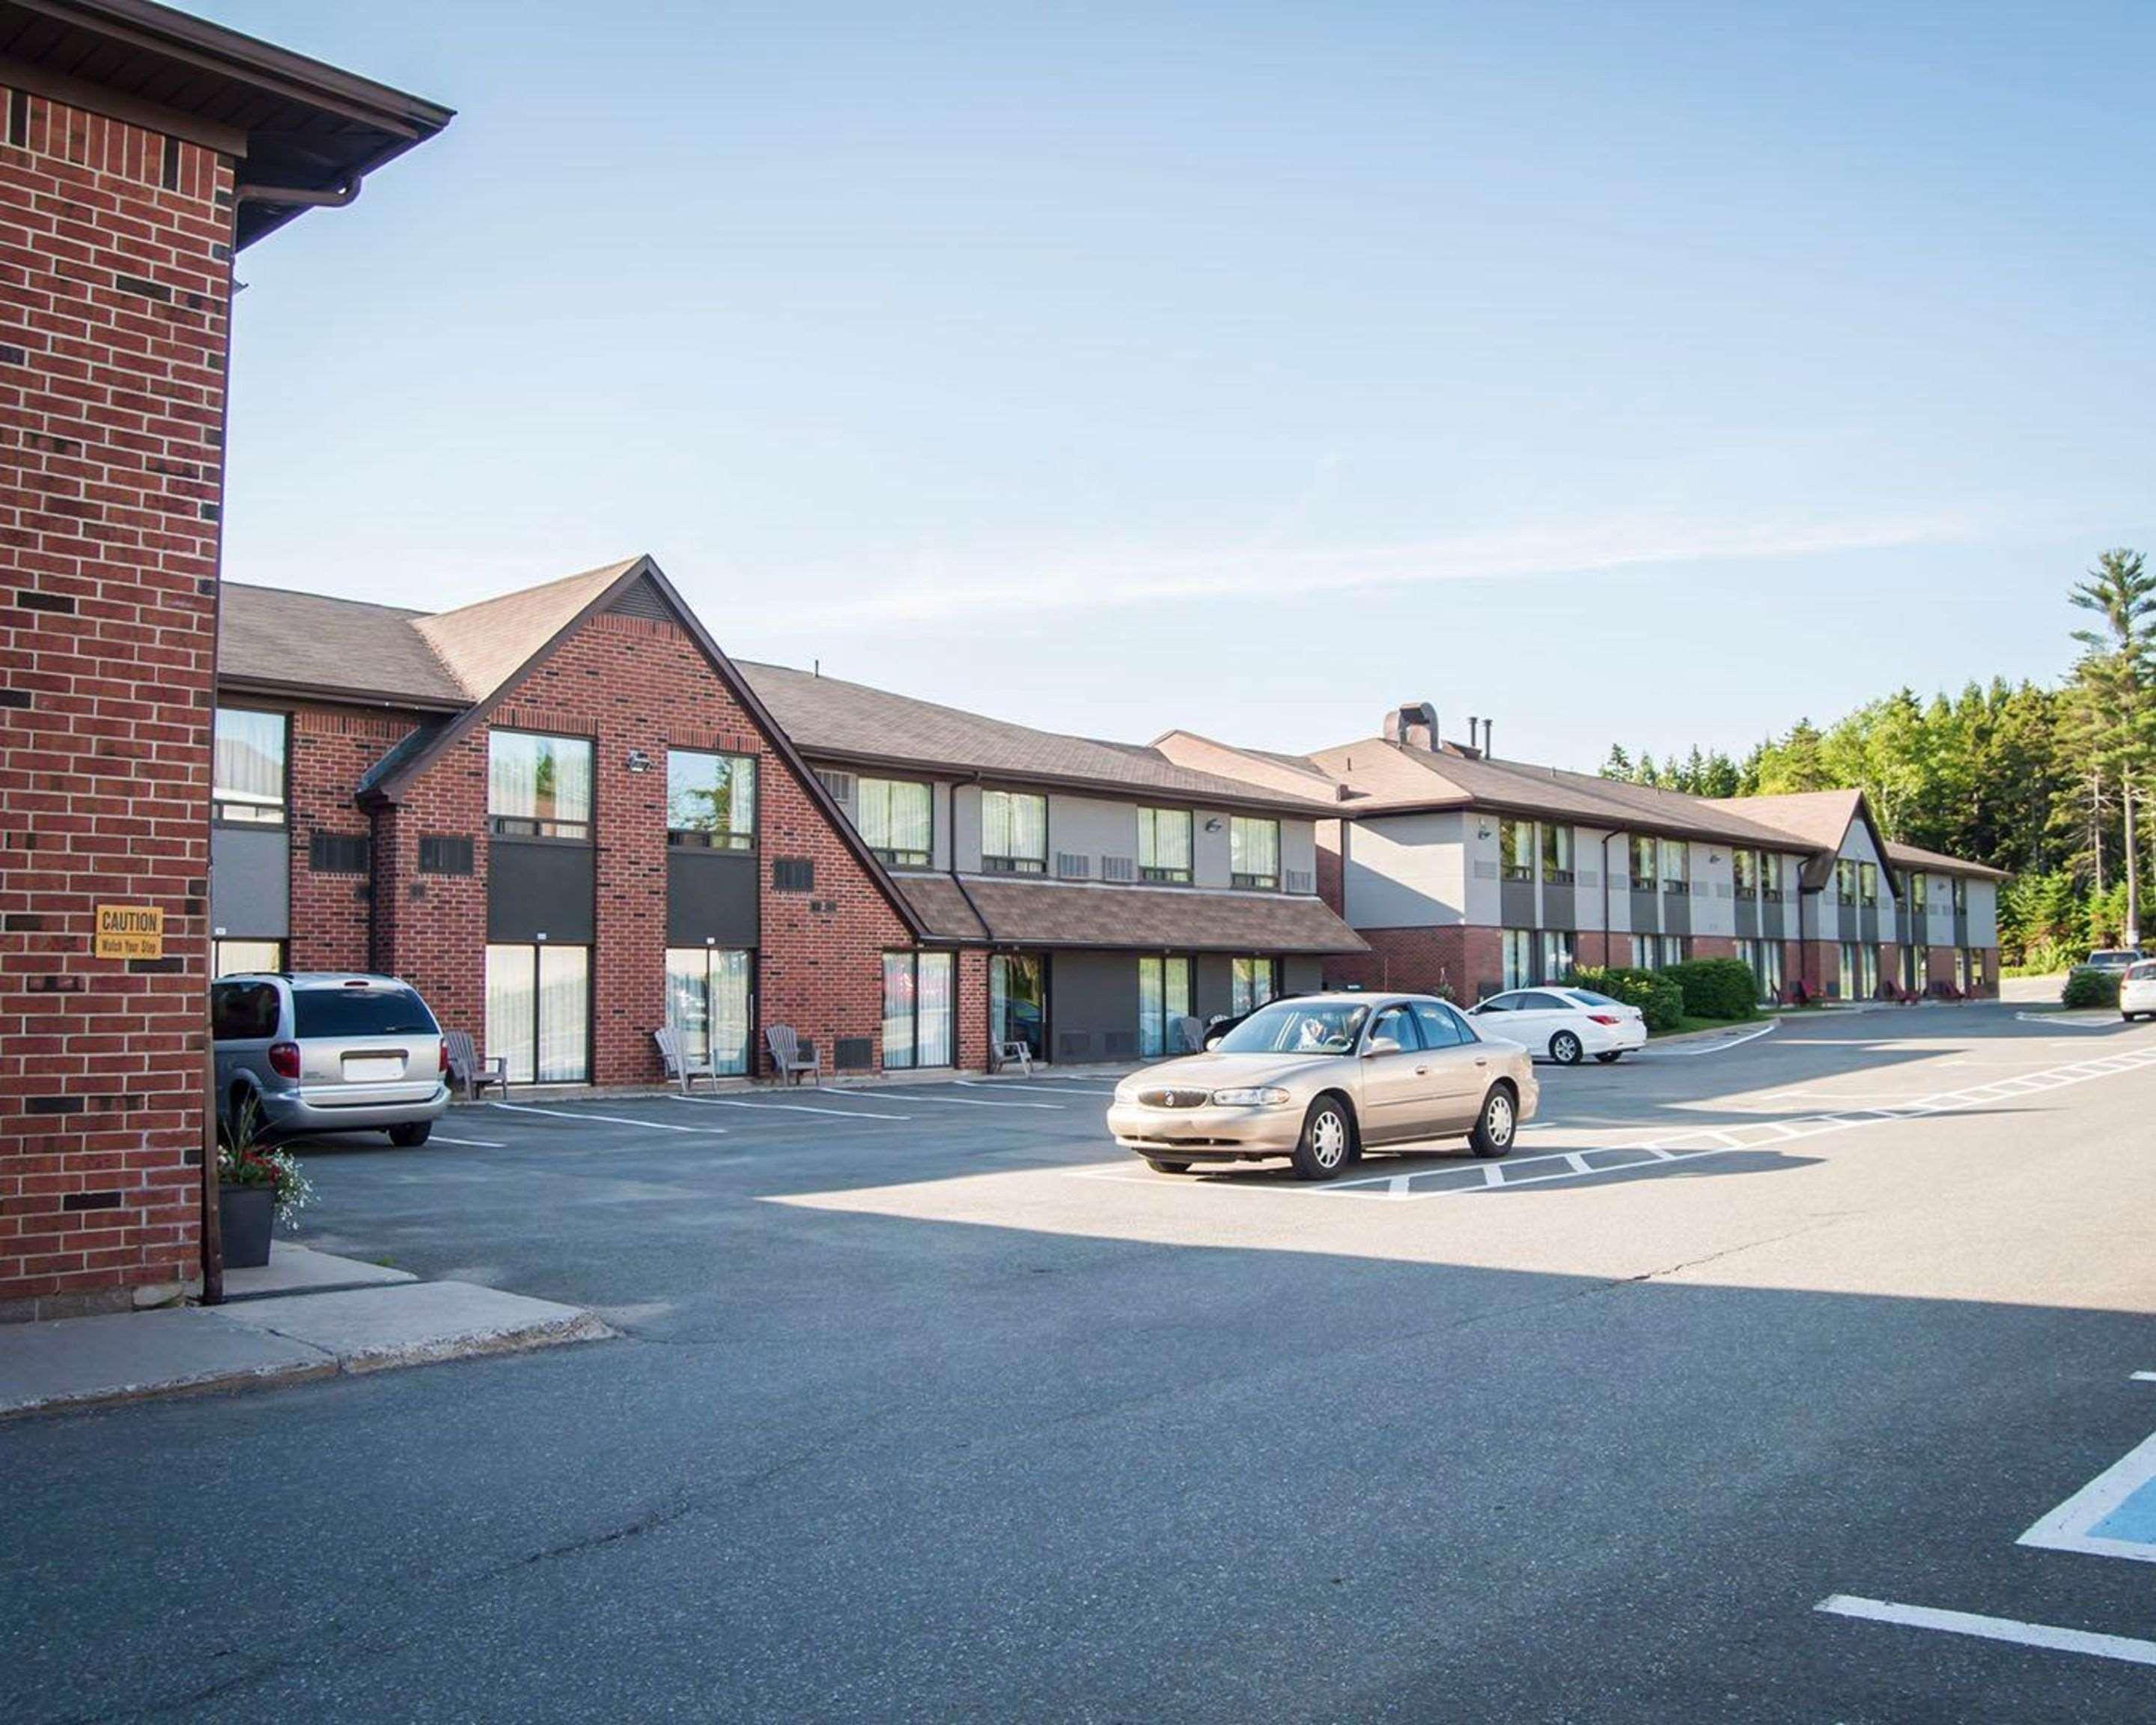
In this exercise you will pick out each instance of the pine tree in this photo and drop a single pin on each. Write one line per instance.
(2116, 673)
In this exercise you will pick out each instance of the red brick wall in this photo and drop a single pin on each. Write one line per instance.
(330, 749)
(1469, 962)
(1713, 945)
(114, 294)
(634, 683)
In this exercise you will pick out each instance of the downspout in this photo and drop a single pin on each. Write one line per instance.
(1607, 935)
(298, 197)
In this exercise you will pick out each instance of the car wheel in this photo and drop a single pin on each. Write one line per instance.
(1167, 1168)
(404, 1137)
(1612, 1057)
(1497, 1126)
(1566, 1048)
(1327, 1141)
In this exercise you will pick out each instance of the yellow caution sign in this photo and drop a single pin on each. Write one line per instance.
(130, 931)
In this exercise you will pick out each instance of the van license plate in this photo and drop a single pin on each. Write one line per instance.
(365, 1069)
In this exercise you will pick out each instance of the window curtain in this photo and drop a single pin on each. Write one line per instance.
(563, 974)
(709, 794)
(898, 1007)
(1254, 847)
(250, 758)
(933, 997)
(1163, 997)
(510, 1003)
(688, 1001)
(1014, 824)
(1164, 838)
(539, 777)
(894, 815)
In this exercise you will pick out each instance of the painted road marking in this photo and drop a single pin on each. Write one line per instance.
(787, 1108)
(657, 1126)
(2145, 1377)
(2060, 1021)
(2113, 1516)
(475, 1143)
(977, 1102)
(1991, 1629)
(1068, 1088)
(1687, 1049)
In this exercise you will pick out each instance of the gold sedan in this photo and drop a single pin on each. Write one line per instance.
(1322, 1078)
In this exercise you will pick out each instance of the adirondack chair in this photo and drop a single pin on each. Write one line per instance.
(1189, 1033)
(787, 1062)
(1016, 1054)
(679, 1068)
(468, 1071)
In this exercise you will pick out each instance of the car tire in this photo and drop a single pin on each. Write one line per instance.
(1327, 1143)
(1497, 1124)
(412, 1134)
(1611, 1056)
(1566, 1048)
(1167, 1168)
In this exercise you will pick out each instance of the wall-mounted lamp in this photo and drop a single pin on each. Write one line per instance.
(1213, 823)
(639, 762)
(1481, 829)
(1714, 856)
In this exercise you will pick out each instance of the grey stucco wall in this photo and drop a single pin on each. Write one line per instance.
(250, 883)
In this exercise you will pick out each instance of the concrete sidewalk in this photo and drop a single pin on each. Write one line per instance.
(346, 1316)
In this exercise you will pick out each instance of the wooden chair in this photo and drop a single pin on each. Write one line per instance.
(1189, 1032)
(468, 1071)
(1014, 1054)
(787, 1062)
(679, 1068)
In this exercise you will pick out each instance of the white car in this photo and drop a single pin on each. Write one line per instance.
(1564, 1024)
(2137, 991)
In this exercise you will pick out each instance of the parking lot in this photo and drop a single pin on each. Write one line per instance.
(1792, 1378)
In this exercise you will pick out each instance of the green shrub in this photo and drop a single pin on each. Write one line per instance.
(1660, 1000)
(2091, 988)
(1715, 987)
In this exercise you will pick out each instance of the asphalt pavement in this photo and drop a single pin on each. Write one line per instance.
(931, 1405)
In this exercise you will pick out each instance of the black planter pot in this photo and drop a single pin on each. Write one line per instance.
(244, 1215)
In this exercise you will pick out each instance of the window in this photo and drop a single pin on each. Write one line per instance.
(1867, 971)
(1961, 968)
(537, 1015)
(1764, 957)
(1644, 869)
(1974, 958)
(1017, 1001)
(707, 1006)
(341, 1011)
(539, 786)
(917, 1005)
(1960, 895)
(1441, 1026)
(1397, 1022)
(1163, 999)
(1013, 833)
(1744, 872)
(230, 957)
(1656, 952)
(248, 779)
(1254, 853)
(1516, 849)
(1164, 845)
(1519, 944)
(840, 784)
(711, 799)
(1676, 866)
(1557, 956)
(1920, 891)
(1867, 885)
(244, 1012)
(1844, 881)
(1770, 878)
(893, 816)
(1556, 856)
(1252, 983)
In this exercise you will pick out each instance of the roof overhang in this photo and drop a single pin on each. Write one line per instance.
(314, 695)
(294, 125)
(1116, 790)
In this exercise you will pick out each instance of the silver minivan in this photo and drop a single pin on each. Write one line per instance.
(328, 1052)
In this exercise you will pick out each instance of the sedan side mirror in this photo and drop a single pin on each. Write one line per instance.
(1381, 1045)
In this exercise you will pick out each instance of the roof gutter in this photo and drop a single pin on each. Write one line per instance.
(301, 196)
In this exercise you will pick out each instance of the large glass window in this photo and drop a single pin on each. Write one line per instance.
(1960, 895)
(1164, 845)
(1519, 945)
(917, 1001)
(1656, 952)
(539, 786)
(1557, 854)
(1557, 956)
(711, 799)
(895, 820)
(248, 775)
(1013, 833)
(1676, 866)
(707, 1005)
(1017, 1001)
(1744, 872)
(230, 958)
(1764, 957)
(1920, 891)
(1867, 884)
(1770, 877)
(1844, 881)
(1516, 849)
(1644, 871)
(1163, 1001)
(538, 1015)
(1254, 852)
(1252, 983)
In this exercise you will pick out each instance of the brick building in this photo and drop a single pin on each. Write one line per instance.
(570, 818)
(142, 150)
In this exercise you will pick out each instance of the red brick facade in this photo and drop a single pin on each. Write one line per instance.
(1463, 962)
(114, 288)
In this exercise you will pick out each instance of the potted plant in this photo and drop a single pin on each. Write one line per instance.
(257, 1186)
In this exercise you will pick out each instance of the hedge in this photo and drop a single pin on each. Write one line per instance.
(1716, 987)
(2090, 988)
(1660, 1000)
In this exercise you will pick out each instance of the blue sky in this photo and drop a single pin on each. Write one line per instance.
(1664, 372)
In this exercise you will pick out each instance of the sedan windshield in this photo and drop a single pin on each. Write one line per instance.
(1296, 1027)
(1589, 997)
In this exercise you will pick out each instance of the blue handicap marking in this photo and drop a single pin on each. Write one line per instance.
(2113, 1516)
(2133, 1520)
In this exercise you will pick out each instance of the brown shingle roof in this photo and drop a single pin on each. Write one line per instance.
(487, 643)
(1915, 856)
(830, 717)
(1048, 913)
(310, 641)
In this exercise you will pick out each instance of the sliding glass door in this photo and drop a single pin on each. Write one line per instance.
(1163, 998)
(707, 1004)
(538, 1012)
(917, 1002)
(1017, 1001)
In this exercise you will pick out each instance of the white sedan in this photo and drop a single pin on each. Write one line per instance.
(1564, 1024)
(2137, 991)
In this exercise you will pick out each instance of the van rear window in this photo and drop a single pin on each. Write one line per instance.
(360, 1012)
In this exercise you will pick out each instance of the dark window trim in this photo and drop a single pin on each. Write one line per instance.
(219, 805)
(590, 950)
(505, 826)
(494, 822)
(734, 838)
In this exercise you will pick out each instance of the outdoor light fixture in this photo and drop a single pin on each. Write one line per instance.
(1213, 825)
(639, 762)
(1481, 829)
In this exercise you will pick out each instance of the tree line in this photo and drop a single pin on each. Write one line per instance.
(2048, 783)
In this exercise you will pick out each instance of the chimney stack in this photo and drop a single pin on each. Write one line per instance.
(1489, 739)
(1474, 732)
(1413, 724)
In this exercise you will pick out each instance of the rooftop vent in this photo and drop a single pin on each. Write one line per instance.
(1414, 724)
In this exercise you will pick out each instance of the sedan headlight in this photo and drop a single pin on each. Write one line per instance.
(1269, 1096)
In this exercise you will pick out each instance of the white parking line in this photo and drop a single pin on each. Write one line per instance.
(2062, 1022)
(976, 1102)
(474, 1143)
(2071, 1527)
(1685, 1050)
(2125, 1648)
(1068, 1088)
(657, 1126)
(787, 1108)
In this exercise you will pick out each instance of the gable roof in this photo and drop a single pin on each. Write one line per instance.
(833, 719)
(1915, 856)
(271, 640)
(487, 645)
(1061, 913)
